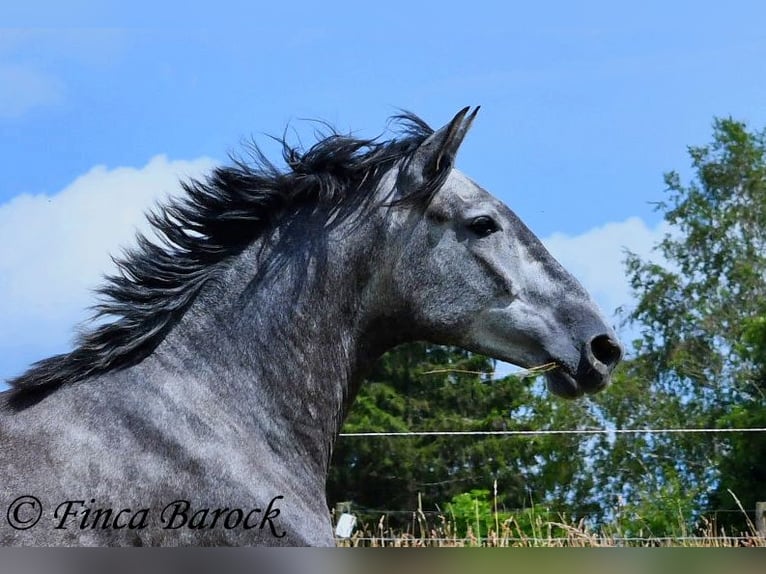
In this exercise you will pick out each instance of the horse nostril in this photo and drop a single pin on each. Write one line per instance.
(606, 350)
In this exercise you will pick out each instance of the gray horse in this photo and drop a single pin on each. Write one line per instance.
(204, 408)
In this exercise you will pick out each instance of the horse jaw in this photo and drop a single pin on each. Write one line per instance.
(576, 362)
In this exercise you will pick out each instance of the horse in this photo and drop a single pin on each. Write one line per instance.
(202, 408)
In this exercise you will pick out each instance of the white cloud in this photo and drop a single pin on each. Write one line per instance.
(54, 249)
(30, 63)
(23, 88)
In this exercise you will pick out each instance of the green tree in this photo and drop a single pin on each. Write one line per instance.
(701, 359)
(421, 387)
(472, 510)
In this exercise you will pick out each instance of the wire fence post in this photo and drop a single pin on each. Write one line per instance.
(760, 518)
(342, 507)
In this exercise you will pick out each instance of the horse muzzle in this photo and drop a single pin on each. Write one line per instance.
(598, 359)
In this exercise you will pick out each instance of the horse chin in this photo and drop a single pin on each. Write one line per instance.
(564, 385)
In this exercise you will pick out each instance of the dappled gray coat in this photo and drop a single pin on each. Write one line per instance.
(204, 409)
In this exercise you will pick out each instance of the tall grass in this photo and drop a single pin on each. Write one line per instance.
(532, 528)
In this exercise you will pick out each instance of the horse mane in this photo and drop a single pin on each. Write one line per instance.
(216, 218)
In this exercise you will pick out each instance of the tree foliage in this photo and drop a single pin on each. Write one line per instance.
(701, 358)
(418, 387)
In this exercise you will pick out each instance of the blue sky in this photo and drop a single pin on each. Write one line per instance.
(584, 106)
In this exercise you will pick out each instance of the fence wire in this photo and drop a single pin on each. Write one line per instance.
(554, 432)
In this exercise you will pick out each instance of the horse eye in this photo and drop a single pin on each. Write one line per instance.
(483, 226)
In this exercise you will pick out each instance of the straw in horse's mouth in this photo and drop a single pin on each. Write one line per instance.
(538, 370)
(559, 379)
(522, 374)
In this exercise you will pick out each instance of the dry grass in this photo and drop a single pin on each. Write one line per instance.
(540, 533)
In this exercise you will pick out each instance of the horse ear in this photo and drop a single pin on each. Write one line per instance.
(436, 155)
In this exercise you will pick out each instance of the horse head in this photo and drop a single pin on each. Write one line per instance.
(470, 273)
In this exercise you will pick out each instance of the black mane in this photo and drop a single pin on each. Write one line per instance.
(215, 219)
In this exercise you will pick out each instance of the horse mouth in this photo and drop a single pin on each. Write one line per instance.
(562, 383)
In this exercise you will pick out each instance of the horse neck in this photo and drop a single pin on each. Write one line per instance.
(283, 352)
